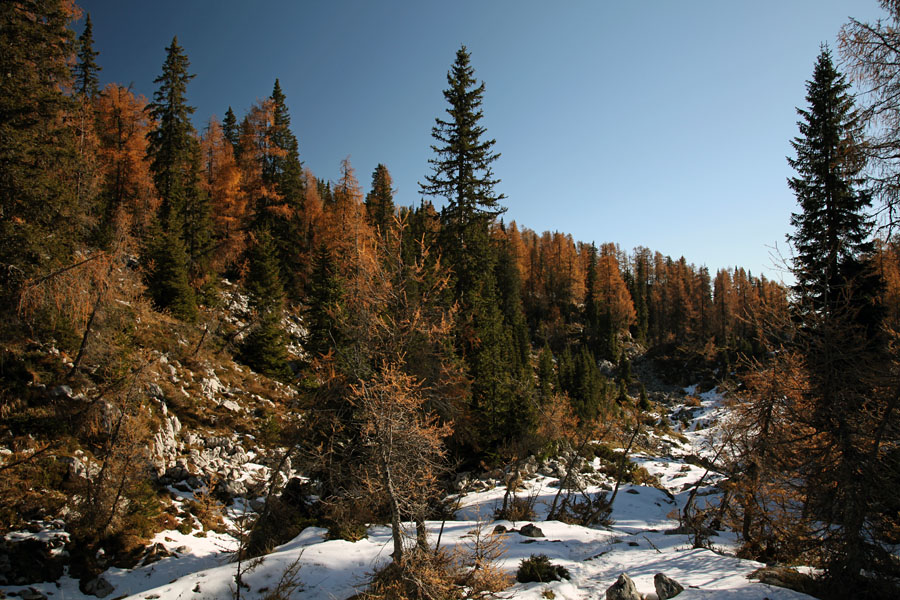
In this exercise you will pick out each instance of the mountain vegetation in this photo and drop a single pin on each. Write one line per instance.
(389, 347)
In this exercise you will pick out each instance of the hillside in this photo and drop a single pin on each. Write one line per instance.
(640, 538)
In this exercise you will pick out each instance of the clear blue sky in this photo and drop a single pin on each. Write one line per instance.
(657, 123)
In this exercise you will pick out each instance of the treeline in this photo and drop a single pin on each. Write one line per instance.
(109, 172)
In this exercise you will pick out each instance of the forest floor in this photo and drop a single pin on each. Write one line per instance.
(639, 541)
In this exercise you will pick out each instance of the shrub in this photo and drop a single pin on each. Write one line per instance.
(421, 574)
(519, 508)
(539, 568)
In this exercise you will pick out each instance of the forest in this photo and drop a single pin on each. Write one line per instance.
(385, 350)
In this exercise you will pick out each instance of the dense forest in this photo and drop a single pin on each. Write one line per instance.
(399, 345)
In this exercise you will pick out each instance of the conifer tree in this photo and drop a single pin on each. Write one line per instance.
(167, 275)
(171, 143)
(283, 171)
(230, 130)
(174, 164)
(839, 335)
(87, 80)
(462, 175)
(264, 349)
(832, 229)
(38, 211)
(323, 298)
(380, 200)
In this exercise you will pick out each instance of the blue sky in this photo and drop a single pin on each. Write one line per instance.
(658, 123)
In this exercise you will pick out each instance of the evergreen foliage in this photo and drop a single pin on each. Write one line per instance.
(323, 298)
(183, 214)
(39, 219)
(380, 200)
(840, 337)
(172, 142)
(166, 274)
(231, 131)
(86, 72)
(832, 229)
(281, 213)
(264, 348)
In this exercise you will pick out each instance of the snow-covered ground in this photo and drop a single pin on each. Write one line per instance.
(636, 543)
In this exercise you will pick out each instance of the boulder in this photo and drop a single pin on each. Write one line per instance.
(531, 530)
(156, 552)
(623, 589)
(97, 587)
(666, 587)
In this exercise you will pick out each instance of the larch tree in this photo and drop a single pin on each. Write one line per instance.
(222, 184)
(122, 125)
(871, 53)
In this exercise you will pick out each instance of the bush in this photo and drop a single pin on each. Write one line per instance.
(519, 508)
(539, 568)
(421, 574)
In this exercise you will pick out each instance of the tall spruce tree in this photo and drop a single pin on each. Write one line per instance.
(284, 172)
(87, 80)
(839, 331)
(832, 227)
(174, 163)
(171, 143)
(462, 175)
(38, 208)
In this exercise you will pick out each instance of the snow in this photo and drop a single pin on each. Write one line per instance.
(636, 543)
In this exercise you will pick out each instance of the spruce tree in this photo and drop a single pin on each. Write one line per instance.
(86, 70)
(832, 227)
(167, 277)
(264, 348)
(380, 200)
(284, 172)
(174, 164)
(323, 298)
(462, 166)
(39, 216)
(462, 175)
(171, 143)
(231, 132)
(591, 334)
(839, 330)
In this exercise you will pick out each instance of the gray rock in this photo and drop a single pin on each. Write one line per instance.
(666, 587)
(98, 587)
(531, 530)
(75, 468)
(500, 529)
(155, 553)
(235, 488)
(31, 594)
(623, 589)
(62, 391)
